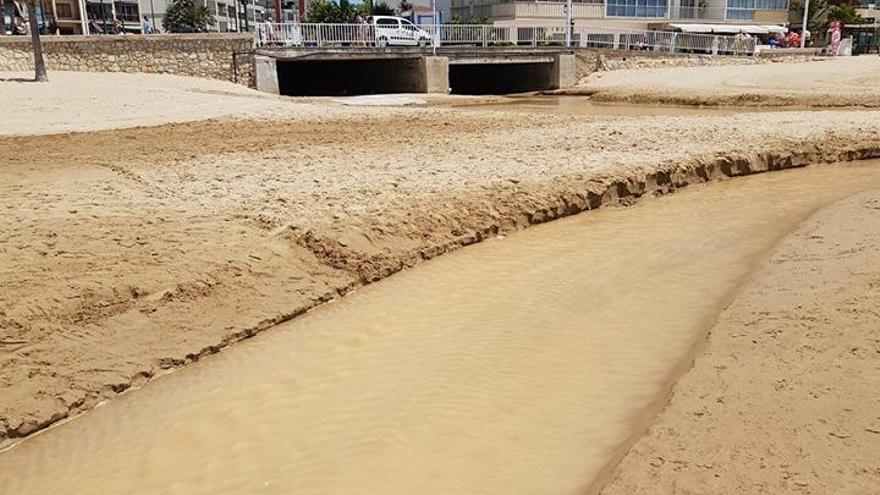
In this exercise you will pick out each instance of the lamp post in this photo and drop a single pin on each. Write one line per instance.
(103, 18)
(568, 23)
(83, 14)
(804, 29)
(434, 27)
(153, 18)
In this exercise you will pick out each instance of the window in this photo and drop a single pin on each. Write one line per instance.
(127, 12)
(741, 10)
(387, 23)
(64, 11)
(771, 4)
(636, 8)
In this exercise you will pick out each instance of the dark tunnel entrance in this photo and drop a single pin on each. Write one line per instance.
(350, 77)
(484, 79)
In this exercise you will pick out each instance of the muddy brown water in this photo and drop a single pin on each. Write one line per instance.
(516, 366)
(583, 105)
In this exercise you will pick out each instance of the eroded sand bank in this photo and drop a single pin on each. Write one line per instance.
(129, 252)
(517, 366)
(784, 398)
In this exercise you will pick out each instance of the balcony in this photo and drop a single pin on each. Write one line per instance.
(679, 13)
(869, 9)
(546, 10)
(543, 11)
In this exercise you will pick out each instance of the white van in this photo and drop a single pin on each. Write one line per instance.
(398, 31)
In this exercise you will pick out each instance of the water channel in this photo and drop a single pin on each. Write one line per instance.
(516, 366)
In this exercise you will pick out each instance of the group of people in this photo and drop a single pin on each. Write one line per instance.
(21, 27)
(116, 26)
(102, 27)
(792, 40)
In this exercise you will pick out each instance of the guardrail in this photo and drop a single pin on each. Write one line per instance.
(486, 35)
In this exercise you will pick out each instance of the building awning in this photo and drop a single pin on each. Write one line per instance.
(728, 28)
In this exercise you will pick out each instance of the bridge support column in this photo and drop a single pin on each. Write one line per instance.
(435, 73)
(266, 74)
(562, 71)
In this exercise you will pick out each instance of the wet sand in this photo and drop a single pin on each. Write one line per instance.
(784, 398)
(515, 366)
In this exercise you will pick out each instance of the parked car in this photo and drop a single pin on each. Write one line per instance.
(398, 31)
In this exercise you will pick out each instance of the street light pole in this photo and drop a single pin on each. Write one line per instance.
(804, 28)
(568, 23)
(434, 27)
(103, 18)
(83, 14)
(153, 18)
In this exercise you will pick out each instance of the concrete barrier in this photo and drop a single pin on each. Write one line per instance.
(266, 74)
(436, 74)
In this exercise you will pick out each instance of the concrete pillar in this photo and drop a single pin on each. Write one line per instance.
(266, 73)
(435, 72)
(562, 71)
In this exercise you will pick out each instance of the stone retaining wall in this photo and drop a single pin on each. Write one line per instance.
(591, 60)
(228, 57)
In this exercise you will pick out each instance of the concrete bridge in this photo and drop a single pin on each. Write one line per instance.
(300, 71)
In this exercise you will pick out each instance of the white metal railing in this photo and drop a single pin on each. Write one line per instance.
(485, 35)
(663, 41)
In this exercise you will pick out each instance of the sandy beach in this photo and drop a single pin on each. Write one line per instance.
(143, 242)
(845, 81)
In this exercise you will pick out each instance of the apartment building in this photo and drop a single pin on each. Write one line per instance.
(231, 15)
(67, 12)
(75, 16)
(696, 15)
(870, 11)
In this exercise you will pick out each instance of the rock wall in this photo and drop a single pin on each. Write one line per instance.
(591, 60)
(228, 57)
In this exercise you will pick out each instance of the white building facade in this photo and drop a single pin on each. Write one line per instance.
(635, 14)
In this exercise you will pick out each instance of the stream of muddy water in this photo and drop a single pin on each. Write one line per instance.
(582, 105)
(516, 366)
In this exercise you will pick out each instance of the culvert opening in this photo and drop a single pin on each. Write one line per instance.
(484, 79)
(349, 77)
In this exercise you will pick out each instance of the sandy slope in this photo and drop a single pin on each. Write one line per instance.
(784, 398)
(82, 101)
(833, 82)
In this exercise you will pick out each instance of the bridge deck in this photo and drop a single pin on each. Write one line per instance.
(456, 55)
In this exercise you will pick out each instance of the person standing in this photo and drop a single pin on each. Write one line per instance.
(834, 30)
(147, 26)
(361, 28)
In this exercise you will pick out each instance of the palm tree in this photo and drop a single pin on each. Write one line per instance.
(823, 11)
(39, 63)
